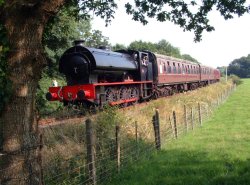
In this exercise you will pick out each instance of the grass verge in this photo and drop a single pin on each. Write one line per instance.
(218, 153)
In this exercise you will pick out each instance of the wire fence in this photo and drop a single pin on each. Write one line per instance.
(90, 155)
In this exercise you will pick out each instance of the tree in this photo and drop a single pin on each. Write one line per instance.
(162, 47)
(189, 15)
(240, 67)
(188, 57)
(25, 22)
(58, 36)
(118, 47)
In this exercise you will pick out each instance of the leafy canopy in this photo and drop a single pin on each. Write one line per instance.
(191, 15)
(240, 67)
(162, 47)
(61, 31)
(188, 14)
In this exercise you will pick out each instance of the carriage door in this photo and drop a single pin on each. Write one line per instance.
(146, 67)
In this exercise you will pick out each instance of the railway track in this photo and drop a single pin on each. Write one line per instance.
(47, 122)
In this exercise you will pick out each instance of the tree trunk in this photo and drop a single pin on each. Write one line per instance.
(24, 22)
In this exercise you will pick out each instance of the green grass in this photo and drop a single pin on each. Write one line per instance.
(218, 153)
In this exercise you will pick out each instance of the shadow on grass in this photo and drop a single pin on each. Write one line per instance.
(186, 167)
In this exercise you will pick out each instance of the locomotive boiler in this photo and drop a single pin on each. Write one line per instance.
(96, 77)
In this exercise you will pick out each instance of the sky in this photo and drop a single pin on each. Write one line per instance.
(229, 41)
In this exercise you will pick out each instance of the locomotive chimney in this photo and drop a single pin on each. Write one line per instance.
(79, 42)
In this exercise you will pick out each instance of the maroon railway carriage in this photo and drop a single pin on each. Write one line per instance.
(176, 75)
(99, 76)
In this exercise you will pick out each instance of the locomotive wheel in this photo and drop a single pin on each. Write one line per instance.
(134, 93)
(110, 95)
(166, 91)
(155, 95)
(123, 95)
(174, 89)
(193, 86)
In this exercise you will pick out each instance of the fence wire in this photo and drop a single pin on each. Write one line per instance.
(97, 162)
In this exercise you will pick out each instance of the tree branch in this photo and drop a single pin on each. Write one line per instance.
(51, 7)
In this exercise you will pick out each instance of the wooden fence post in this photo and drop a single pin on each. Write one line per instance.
(175, 125)
(118, 147)
(40, 157)
(192, 118)
(136, 132)
(156, 123)
(207, 113)
(171, 126)
(90, 142)
(218, 101)
(200, 116)
(136, 139)
(185, 118)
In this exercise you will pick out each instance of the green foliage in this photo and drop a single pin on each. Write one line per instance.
(162, 47)
(106, 121)
(236, 80)
(240, 67)
(191, 15)
(189, 58)
(44, 106)
(217, 154)
(118, 47)
(222, 70)
(95, 39)
(104, 9)
(61, 31)
(58, 36)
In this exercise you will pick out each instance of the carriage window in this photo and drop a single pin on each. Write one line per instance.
(164, 67)
(179, 68)
(174, 68)
(169, 68)
(183, 69)
(188, 69)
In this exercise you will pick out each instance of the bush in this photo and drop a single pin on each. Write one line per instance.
(44, 106)
(236, 80)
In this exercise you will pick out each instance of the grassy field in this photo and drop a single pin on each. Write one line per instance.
(217, 153)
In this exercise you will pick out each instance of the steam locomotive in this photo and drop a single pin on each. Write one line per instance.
(96, 77)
